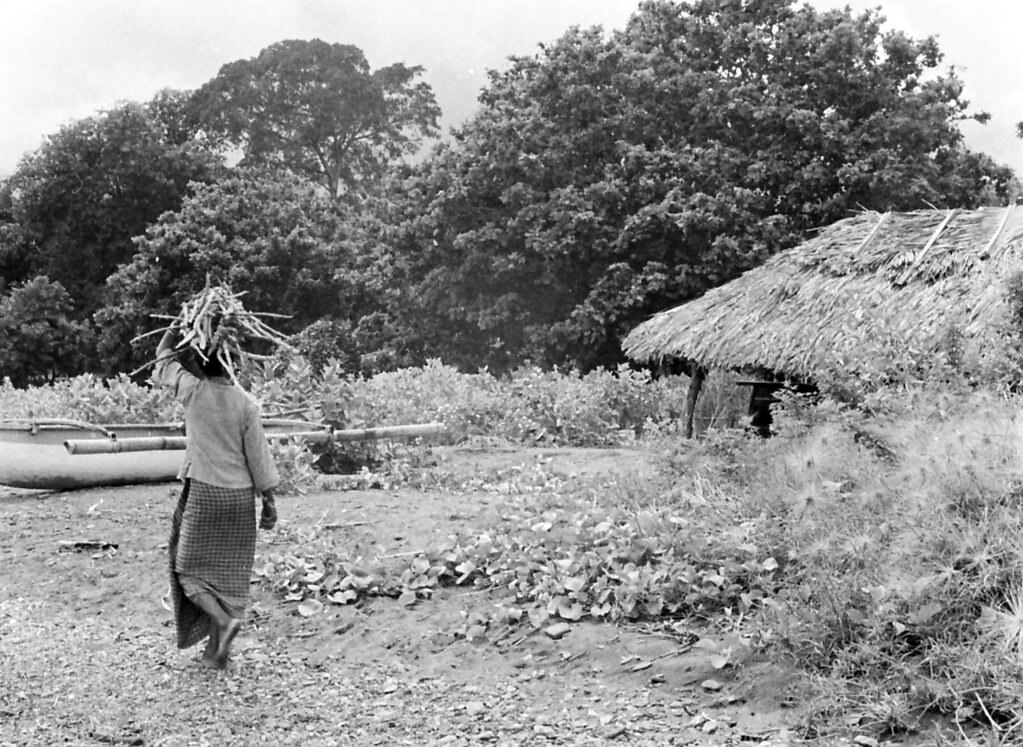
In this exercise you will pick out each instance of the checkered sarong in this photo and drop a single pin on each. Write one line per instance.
(211, 547)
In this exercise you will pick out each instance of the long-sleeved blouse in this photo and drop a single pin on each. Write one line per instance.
(226, 443)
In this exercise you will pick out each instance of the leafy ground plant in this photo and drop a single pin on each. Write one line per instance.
(557, 554)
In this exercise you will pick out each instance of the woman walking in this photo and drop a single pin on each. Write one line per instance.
(213, 532)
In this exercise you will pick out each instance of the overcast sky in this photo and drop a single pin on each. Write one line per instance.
(66, 59)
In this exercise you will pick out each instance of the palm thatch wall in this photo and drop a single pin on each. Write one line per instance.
(913, 284)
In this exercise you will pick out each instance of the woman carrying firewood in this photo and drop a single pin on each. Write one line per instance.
(227, 464)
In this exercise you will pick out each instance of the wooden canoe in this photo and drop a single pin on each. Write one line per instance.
(33, 453)
(67, 454)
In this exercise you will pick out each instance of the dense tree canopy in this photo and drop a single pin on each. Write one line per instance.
(302, 110)
(74, 205)
(604, 178)
(318, 109)
(608, 177)
(274, 236)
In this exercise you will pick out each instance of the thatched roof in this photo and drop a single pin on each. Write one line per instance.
(911, 281)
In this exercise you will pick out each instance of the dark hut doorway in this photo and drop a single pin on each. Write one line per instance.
(763, 394)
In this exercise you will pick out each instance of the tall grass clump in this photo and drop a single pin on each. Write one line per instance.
(899, 523)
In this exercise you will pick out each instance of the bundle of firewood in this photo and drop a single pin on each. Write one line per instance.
(215, 324)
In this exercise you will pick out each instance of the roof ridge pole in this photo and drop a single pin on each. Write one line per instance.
(1009, 209)
(930, 242)
(873, 233)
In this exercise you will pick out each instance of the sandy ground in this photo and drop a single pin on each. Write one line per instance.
(89, 656)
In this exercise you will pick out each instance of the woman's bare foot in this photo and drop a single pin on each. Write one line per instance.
(209, 656)
(225, 636)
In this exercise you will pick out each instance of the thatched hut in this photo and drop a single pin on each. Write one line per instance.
(867, 292)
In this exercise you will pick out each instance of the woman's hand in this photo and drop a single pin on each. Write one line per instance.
(166, 346)
(268, 516)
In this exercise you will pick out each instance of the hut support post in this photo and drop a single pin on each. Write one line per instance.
(695, 385)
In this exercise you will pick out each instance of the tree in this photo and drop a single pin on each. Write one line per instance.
(12, 242)
(38, 340)
(76, 202)
(274, 236)
(608, 177)
(318, 109)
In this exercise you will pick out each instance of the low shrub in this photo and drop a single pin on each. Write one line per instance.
(90, 399)
(529, 406)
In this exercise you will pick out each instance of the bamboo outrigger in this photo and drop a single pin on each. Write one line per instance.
(66, 454)
(319, 436)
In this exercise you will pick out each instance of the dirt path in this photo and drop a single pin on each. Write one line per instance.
(89, 656)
